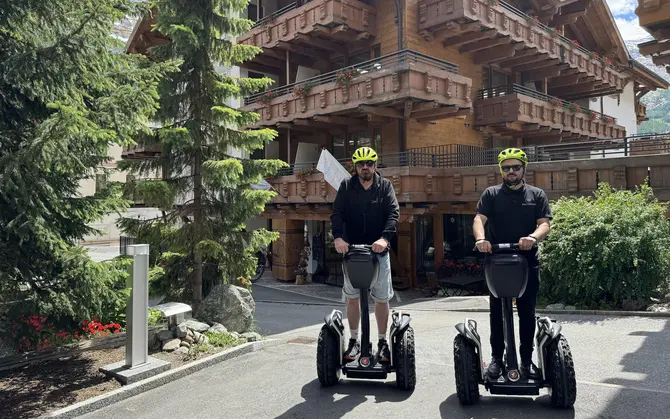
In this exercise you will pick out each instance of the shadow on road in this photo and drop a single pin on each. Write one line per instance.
(336, 401)
(504, 407)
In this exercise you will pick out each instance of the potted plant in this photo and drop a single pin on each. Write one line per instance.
(301, 271)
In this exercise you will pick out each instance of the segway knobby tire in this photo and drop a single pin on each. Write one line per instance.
(405, 361)
(467, 372)
(562, 374)
(328, 357)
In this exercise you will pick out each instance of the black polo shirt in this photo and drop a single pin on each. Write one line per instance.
(513, 213)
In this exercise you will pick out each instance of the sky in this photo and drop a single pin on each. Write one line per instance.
(626, 19)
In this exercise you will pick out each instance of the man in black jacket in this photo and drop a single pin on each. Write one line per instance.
(366, 212)
(514, 212)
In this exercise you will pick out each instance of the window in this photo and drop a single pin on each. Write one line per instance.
(339, 150)
(100, 182)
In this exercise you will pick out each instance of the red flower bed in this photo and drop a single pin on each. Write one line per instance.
(34, 333)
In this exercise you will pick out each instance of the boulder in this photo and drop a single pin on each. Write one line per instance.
(171, 345)
(251, 336)
(195, 325)
(217, 328)
(181, 331)
(182, 350)
(231, 306)
(164, 335)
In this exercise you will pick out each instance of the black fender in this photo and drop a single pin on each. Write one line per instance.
(334, 322)
(548, 330)
(468, 329)
(400, 323)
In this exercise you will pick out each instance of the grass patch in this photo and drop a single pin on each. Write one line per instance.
(222, 340)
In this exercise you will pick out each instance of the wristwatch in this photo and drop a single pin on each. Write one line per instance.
(533, 237)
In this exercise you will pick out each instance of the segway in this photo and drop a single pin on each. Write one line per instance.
(506, 274)
(360, 266)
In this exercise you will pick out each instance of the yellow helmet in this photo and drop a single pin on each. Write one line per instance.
(364, 154)
(512, 153)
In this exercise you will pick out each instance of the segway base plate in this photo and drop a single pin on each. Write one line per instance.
(520, 388)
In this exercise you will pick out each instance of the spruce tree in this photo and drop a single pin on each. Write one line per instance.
(204, 192)
(67, 92)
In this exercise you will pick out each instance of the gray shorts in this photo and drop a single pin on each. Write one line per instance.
(381, 288)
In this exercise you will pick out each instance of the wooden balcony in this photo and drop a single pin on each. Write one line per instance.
(517, 111)
(313, 30)
(404, 84)
(641, 112)
(496, 33)
(309, 197)
(654, 17)
(141, 151)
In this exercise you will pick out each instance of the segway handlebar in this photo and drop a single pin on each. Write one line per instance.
(365, 247)
(503, 247)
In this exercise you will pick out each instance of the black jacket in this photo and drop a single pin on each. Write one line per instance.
(363, 217)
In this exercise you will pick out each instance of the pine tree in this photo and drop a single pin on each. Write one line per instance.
(204, 193)
(67, 92)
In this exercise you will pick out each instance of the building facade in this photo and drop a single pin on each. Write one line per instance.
(438, 87)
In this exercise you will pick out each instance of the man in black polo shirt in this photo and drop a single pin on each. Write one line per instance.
(513, 212)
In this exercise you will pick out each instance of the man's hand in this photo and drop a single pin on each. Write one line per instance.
(484, 246)
(380, 245)
(341, 246)
(526, 243)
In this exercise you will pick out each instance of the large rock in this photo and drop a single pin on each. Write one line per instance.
(231, 306)
(217, 328)
(196, 326)
(164, 335)
(171, 345)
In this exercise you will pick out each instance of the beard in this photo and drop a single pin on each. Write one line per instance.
(513, 180)
(365, 174)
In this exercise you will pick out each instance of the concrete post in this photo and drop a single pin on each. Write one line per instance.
(138, 365)
(137, 349)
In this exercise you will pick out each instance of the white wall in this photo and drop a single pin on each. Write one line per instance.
(622, 108)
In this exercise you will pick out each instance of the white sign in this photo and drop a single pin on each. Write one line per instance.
(333, 172)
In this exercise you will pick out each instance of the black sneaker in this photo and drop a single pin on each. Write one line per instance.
(528, 370)
(495, 368)
(353, 350)
(383, 353)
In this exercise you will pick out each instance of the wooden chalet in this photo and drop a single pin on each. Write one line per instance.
(438, 88)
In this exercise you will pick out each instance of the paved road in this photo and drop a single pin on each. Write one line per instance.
(620, 366)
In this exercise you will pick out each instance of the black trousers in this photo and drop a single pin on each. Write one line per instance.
(526, 309)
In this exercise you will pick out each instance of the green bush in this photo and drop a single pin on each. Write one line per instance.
(605, 249)
(154, 316)
(79, 290)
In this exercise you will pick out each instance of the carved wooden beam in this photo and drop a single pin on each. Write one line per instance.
(447, 114)
(391, 113)
(523, 60)
(485, 44)
(468, 37)
(535, 66)
(318, 43)
(432, 112)
(564, 19)
(497, 53)
(544, 73)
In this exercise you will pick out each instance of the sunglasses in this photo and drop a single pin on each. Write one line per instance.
(515, 167)
(365, 163)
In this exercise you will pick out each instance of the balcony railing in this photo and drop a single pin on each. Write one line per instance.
(401, 74)
(574, 169)
(273, 16)
(516, 26)
(405, 58)
(461, 155)
(515, 103)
